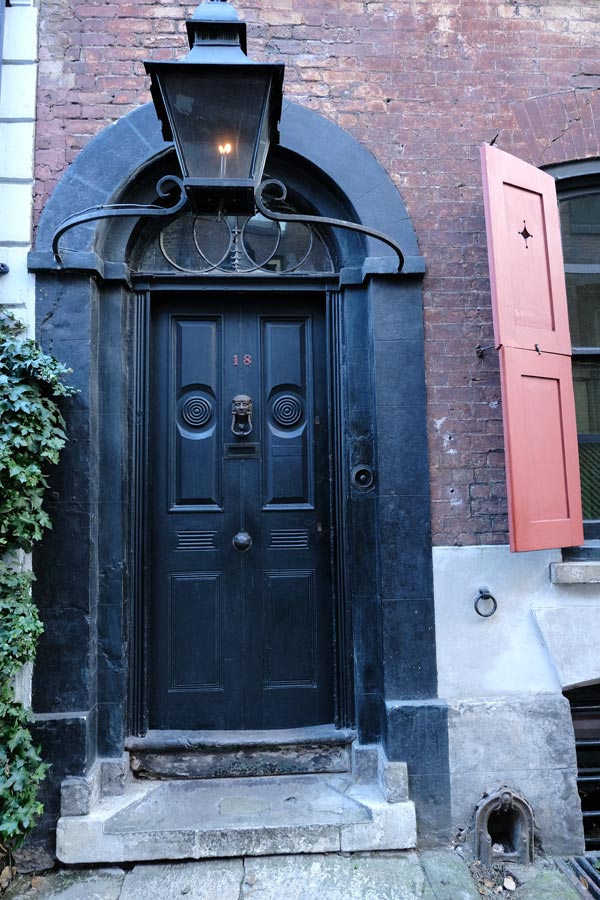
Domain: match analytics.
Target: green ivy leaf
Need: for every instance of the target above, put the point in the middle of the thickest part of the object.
(32, 435)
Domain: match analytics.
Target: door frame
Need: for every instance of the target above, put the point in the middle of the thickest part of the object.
(141, 323)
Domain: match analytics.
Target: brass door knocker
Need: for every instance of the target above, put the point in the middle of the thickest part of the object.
(241, 415)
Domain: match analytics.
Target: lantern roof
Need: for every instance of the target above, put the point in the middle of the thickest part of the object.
(216, 23)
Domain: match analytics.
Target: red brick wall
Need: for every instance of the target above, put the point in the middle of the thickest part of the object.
(422, 83)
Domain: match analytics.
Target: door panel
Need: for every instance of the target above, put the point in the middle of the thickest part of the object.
(196, 658)
(287, 391)
(195, 459)
(239, 639)
(290, 636)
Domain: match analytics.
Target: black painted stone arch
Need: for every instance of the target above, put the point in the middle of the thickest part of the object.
(86, 314)
(105, 169)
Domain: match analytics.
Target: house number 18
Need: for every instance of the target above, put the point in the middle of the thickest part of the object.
(246, 359)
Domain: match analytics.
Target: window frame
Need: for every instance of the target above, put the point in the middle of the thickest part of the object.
(573, 180)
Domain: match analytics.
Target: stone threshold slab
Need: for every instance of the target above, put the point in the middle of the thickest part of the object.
(210, 754)
(327, 735)
(236, 817)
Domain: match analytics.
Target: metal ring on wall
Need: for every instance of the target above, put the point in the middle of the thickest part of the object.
(484, 594)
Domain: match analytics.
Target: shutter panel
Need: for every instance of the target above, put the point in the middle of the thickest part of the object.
(531, 329)
(529, 299)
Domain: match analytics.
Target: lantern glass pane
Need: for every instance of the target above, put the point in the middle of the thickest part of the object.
(218, 120)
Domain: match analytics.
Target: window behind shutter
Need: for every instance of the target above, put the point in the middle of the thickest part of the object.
(531, 329)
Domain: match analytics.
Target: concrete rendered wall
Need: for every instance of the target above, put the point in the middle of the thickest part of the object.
(502, 678)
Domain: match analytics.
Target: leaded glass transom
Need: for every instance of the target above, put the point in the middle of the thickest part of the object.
(204, 245)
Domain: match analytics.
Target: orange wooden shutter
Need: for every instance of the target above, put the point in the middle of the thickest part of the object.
(531, 329)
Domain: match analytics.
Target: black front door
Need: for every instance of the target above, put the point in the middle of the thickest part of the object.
(240, 618)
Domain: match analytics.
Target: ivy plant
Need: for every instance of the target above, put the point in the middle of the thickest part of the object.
(31, 437)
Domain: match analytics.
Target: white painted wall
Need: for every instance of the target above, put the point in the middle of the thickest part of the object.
(17, 132)
(503, 678)
(538, 641)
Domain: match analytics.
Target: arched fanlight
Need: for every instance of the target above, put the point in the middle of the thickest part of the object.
(222, 111)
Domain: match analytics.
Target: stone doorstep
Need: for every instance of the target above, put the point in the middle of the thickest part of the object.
(201, 819)
(210, 754)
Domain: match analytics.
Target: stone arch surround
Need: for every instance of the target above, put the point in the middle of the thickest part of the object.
(103, 171)
(83, 319)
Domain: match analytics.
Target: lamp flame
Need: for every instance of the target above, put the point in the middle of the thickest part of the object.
(224, 151)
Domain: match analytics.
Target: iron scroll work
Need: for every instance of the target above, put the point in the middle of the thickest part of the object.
(237, 244)
(279, 187)
(122, 210)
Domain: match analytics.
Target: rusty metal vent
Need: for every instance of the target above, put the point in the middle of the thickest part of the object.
(582, 872)
(585, 710)
(504, 828)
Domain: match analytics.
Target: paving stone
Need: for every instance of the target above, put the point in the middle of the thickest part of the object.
(98, 884)
(335, 877)
(548, 886)
(448, 876)
(211, 879)
(403, 875)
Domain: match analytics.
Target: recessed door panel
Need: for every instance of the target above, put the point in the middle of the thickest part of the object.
(194, 416)
(288, 469)
(290, 629)
(240, 615)
(195, 631)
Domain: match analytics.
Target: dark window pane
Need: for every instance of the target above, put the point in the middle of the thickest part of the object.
(586, 382)
(580, 226)
(589, 464)
(583, 295)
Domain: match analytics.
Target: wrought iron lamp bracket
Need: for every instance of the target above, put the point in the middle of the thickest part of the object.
(119, 210)
(279, 193)
(276, 189)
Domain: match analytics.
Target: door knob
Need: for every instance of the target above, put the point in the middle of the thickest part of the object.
(242, 542)
(241, 415)
(363, 477)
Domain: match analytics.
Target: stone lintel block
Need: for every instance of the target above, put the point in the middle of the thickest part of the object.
(575, 572)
